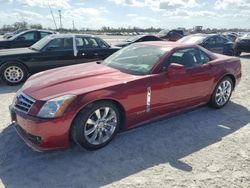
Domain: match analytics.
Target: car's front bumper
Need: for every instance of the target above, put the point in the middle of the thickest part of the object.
(41, 134)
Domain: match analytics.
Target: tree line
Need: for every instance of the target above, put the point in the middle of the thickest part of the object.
(106, 29)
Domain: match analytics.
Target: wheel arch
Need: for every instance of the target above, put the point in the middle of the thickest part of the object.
(232, 78)
(117, 103)
(14, 61)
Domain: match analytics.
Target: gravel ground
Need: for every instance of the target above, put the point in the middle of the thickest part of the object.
(202, 148)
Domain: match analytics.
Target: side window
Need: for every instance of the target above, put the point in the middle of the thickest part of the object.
(102, 44)
(27, 36)
(92, 43)
(204, 58)
(86, 42)
(222, 40)
(80, 42)
(211, 41)
(189, 57)
(171, 33)
(60, 44)
(43, 34)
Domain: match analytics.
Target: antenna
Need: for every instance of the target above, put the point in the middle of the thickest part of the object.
(52, 16)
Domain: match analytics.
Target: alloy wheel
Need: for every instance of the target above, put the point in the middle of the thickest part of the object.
(100, 125)
(223, 92)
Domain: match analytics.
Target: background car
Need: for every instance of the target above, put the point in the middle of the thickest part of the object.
(231, 36)
(242, 44)
(50, 52)
(172, 35)
(214, 42)
(138, 38)
(91, 102)
(24, 39)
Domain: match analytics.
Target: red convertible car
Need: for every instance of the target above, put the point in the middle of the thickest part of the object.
(89, 103)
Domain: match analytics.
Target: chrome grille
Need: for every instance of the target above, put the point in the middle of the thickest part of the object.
(23, 102)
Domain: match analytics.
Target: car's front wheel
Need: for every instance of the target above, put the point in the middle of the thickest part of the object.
(96, 125)
(222, 93)
(13, 73)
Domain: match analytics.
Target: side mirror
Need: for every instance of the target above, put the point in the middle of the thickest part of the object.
(175, 68)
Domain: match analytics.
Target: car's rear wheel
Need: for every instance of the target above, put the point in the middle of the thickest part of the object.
(13, 73)
(96, 125)
(222, 93)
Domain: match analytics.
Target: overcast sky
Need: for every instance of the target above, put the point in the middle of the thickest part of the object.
(123, 13)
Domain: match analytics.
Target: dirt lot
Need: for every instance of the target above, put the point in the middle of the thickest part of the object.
(202, 148)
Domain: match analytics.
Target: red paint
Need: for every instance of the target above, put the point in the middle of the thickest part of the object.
(171, 92)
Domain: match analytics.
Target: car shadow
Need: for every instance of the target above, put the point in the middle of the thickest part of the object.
(163, 142)
(8, 89)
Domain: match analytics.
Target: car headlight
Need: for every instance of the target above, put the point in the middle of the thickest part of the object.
(56, 107)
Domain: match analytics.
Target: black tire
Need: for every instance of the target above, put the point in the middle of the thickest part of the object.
(213, 102)
(20, 69)
(237, 53)
(80, 122)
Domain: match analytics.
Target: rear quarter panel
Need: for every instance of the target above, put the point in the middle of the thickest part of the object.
(225, 65)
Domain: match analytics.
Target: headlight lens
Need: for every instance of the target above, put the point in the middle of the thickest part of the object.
(56, 107)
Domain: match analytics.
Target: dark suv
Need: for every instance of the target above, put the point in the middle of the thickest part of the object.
(242, 44)
(172, 35)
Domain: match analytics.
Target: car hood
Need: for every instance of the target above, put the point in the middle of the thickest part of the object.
(75, 79)
(16, 51)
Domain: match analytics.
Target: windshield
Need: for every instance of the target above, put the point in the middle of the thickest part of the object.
(137, 59)
(132, 39)
(163, 32)
(192, 39)
(41, 43)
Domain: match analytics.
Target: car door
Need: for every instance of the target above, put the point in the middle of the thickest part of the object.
(25, 40)
(57, 53)
(182, 89)
(89, 50)
(214, 44)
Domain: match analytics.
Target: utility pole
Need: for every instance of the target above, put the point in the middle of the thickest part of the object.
(73, 22)
(60, 16)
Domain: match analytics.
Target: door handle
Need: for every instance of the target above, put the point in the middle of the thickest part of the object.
(95, 54)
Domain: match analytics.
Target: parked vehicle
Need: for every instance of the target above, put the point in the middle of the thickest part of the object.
(172, 35)
(11, 34)
(231, 36)
(91, 102)
(242, 44)
(24, 39)
(137, 38)
(213, 42)
(50, 52)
